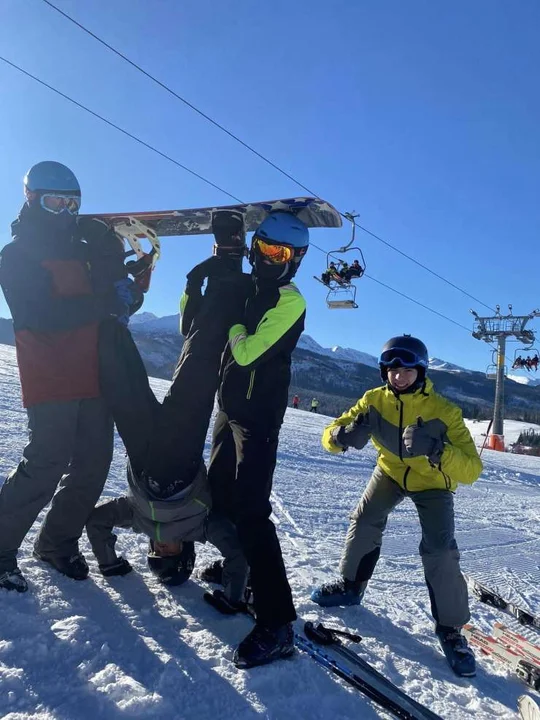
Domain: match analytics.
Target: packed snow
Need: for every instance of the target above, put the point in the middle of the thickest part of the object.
(130, 648)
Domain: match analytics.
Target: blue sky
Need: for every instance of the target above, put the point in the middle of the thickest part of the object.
(422, 116)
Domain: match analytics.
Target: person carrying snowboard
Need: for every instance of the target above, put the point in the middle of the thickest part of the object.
(424, 451)
(253, 397)
(58, 292)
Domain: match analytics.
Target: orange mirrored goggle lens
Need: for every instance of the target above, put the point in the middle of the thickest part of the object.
(278, 254)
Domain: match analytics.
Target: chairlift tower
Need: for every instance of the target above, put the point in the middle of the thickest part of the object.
(498, 329)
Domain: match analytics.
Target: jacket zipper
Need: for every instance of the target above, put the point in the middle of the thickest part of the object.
(407, 471)
(251, 383)
(401, 430)
(252, 374)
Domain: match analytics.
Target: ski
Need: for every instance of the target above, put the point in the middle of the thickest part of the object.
(518, 642)
(528, 709)
(526, 670)
(493, 598)
(363, 677)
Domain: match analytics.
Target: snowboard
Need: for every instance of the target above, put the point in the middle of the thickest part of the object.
(528, 709)
(198, 221)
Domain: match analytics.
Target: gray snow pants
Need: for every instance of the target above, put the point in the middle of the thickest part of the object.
(438, 548)
(71, 444)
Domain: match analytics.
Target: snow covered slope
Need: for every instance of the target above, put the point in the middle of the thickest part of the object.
(128, 648)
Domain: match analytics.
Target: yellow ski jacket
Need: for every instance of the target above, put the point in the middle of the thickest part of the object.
(389, 414)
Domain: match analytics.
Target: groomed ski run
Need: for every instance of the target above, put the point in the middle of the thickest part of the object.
(128, 648)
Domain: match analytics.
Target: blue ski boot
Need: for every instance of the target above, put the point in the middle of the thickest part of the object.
(264, 645)
(457, 651)
(338, 592)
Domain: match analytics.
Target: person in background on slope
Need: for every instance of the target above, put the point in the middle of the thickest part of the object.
(253, 396)
(295, 402)
(314, 405)
(168, 491)
(57, 296)
(424, 451)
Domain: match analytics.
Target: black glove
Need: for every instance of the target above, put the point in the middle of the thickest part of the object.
(355, 435)
(419, 440)
(211, 267)
(120, 567)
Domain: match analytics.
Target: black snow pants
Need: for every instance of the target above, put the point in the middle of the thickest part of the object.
(165, 442)
(240, 472)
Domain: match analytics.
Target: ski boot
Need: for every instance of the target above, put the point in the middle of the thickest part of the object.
(264, 645)
(220, 602)
(339, 592)
(230, 235)
(13, 580)
(457, 651)
(120, 567)
(74, 567)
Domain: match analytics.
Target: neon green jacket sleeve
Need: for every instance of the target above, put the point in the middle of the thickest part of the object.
(460, 459)
(189, 306)
(361, 407)
(272, 333)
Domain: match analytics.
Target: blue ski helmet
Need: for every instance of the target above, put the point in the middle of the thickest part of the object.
(279, 228)
(51, 176)
(284, 228)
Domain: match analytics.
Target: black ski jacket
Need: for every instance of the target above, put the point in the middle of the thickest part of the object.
(256, 366)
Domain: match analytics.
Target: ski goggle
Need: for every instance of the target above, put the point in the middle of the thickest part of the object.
(277, 254)
(56, 204)
(401, 357)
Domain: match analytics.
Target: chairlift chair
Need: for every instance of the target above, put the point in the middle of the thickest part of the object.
(530, 351)
(491, 372)
(342, 293)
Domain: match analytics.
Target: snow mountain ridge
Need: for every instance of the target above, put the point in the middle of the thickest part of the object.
(149, 323)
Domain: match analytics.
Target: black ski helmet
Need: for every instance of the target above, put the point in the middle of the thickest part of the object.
(172, 569)
(404, 351)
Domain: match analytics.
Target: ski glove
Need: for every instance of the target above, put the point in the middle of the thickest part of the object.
(420, 440)
(120, 567)
(125, 292)
(211, 267)
(355, 435)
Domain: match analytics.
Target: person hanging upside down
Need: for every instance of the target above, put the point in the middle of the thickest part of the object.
(169, 497)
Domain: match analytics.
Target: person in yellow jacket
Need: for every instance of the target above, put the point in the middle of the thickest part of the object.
(424, 451)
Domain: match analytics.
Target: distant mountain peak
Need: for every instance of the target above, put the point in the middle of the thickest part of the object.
(142, 317)
(438, 364)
